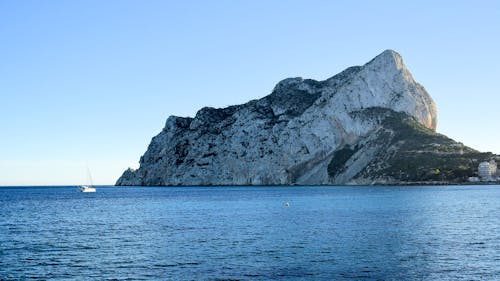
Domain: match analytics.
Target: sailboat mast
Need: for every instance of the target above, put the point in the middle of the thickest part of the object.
(89, 177)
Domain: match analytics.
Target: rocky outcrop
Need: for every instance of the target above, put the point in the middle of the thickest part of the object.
(305, 132)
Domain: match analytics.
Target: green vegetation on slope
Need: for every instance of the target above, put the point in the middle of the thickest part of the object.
(413, 153)
(340, 157)
(424, 155)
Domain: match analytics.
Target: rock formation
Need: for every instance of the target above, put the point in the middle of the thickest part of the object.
(353, 128)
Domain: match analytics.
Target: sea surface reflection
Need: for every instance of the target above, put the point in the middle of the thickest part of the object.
(247, 233)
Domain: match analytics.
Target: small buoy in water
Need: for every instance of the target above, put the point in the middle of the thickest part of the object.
(287, 204)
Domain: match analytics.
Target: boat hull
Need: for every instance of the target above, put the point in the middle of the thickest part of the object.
(86, 189)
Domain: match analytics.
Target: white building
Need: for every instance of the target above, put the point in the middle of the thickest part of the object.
(474, 179)
(493, 167)
(487, 170)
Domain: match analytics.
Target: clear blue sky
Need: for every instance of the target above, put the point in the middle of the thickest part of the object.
(89, 83)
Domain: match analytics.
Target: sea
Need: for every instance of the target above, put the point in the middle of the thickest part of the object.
(250, 233)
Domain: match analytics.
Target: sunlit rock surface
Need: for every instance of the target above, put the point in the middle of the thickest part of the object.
(293, 135)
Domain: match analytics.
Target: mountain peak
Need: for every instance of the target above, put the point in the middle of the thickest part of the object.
(293, 134)
(388, 59)
(390, 52)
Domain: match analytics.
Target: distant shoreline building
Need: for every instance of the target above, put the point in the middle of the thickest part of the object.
(487, 170)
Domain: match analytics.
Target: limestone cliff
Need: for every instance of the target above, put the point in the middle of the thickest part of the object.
(305, 132)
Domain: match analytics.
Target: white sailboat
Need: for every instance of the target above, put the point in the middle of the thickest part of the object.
(87, 188)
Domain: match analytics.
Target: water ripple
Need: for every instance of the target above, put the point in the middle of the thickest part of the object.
(327, 233)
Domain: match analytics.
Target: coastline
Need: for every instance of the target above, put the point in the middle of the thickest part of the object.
(329, 185)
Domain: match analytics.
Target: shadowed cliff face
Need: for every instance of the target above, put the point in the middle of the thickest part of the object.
(291, 136)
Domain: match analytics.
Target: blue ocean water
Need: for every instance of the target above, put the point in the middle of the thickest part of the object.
(247, 233)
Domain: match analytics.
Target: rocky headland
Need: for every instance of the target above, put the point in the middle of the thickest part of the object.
(370, 124)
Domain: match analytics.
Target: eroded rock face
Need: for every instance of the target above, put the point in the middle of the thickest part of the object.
(287, 137)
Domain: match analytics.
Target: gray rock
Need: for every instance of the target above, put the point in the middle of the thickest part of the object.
(290, 136)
